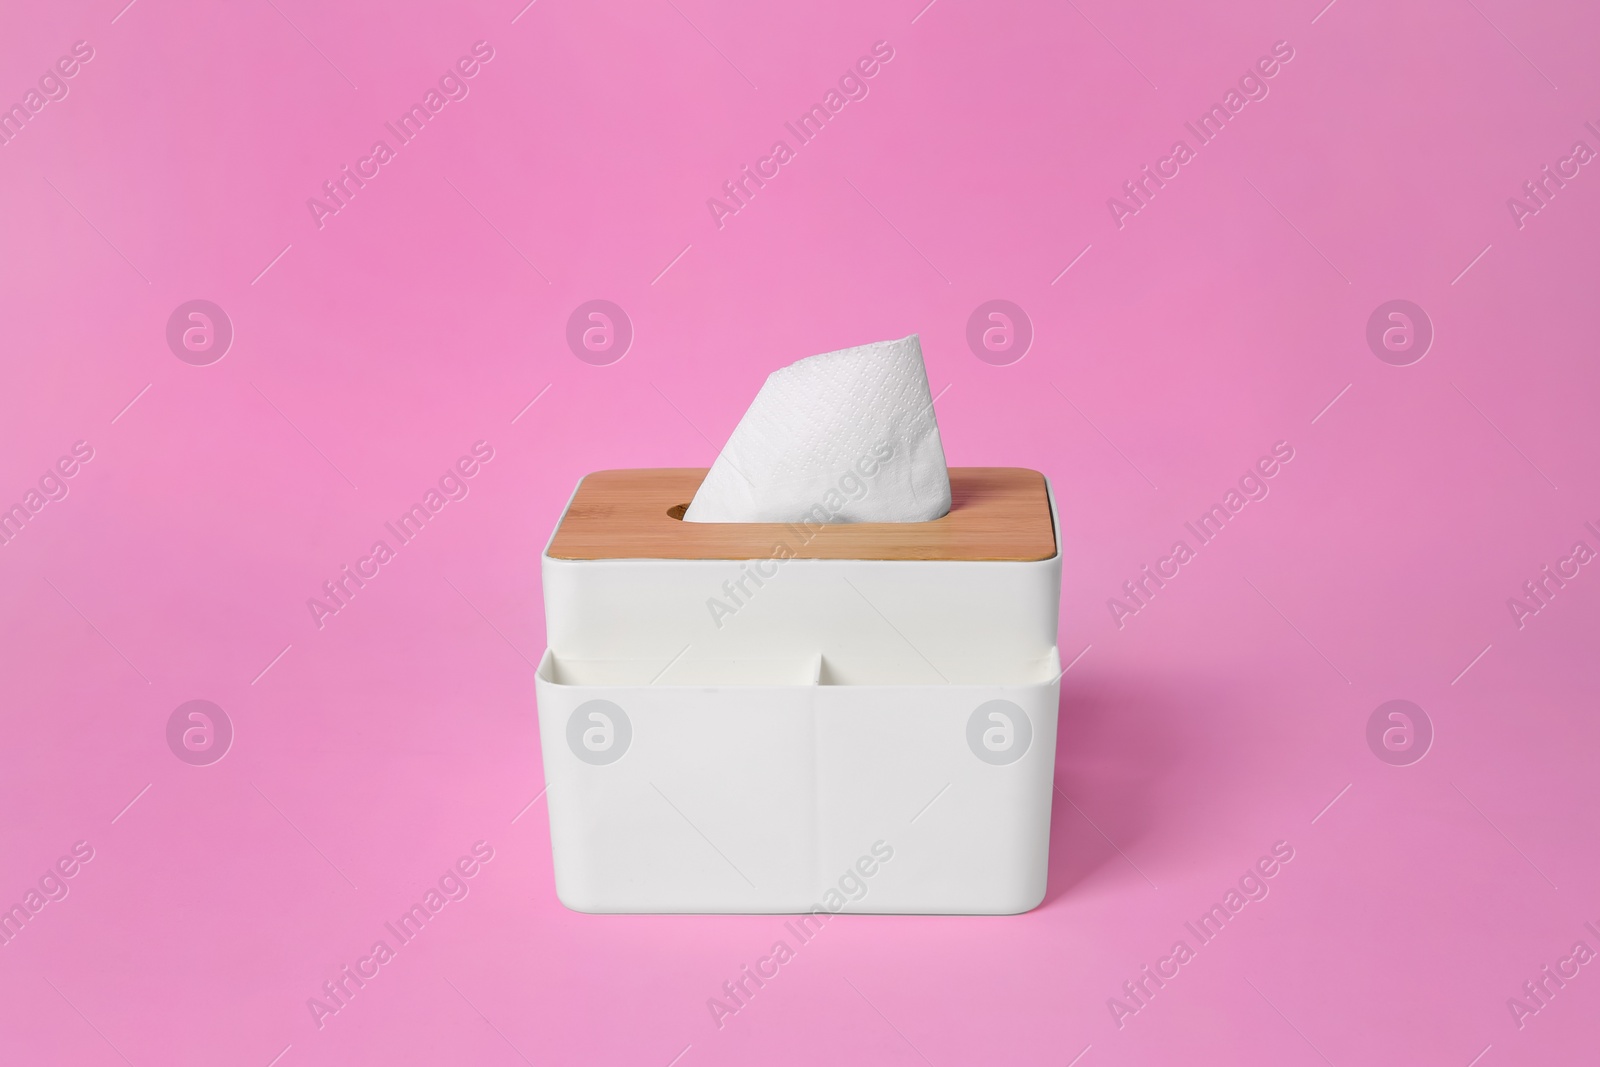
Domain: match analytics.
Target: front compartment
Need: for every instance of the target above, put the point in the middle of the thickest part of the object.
(785, 793)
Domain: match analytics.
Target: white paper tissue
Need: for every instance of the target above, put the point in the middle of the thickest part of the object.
(846, 436)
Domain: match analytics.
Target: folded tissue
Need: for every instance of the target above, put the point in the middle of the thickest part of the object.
(846, 436)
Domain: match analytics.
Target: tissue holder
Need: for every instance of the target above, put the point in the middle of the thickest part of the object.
(779, 718)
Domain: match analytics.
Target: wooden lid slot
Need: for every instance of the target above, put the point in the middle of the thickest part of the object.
(996, 514)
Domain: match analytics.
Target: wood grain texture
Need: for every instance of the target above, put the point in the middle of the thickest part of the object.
(996, 513)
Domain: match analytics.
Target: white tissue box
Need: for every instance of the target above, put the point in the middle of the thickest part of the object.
(762, 717)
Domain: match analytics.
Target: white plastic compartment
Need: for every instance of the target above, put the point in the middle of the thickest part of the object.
(769, 766)
(759, 798)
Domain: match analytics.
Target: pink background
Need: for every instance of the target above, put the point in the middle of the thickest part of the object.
(424, 316)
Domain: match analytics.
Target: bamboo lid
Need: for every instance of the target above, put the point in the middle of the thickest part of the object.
(996, 513)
